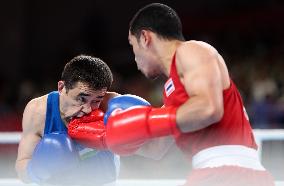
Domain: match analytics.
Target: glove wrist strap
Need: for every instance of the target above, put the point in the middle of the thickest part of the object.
(162, 121)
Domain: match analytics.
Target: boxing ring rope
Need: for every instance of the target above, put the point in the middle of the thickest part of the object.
(164, 182)
(261, 135)
(10, 137)
(136, 182)
(267, 135)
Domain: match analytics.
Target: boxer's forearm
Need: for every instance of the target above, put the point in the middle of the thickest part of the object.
(156, 148)
(198, 113)
(21, 169)
(138, 124)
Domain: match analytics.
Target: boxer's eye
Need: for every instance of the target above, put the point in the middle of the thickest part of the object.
(81, 99)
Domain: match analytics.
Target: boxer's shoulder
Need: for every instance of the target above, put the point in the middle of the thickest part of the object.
(35, 114)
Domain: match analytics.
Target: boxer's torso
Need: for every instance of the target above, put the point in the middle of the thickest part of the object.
(233, 129)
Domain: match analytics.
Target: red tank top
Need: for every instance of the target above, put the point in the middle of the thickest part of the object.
(233, 129)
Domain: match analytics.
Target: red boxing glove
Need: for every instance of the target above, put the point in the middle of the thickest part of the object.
(95, 115)
(139, 123)
(89, 130)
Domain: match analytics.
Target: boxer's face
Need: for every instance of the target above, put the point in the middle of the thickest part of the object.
(79, 100)
(144, 58)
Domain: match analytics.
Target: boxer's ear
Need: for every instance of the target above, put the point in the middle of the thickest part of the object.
(145, 38)
(60, 86)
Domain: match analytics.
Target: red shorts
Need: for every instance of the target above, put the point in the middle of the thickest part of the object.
(229, 176)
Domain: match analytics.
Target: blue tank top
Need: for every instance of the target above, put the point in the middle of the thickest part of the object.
(53, 121)
(96, 167)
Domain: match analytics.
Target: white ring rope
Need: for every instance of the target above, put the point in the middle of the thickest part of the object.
(10, 137)
(260, 136)
(123, 182)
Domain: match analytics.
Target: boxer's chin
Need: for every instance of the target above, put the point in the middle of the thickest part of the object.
(152, 75)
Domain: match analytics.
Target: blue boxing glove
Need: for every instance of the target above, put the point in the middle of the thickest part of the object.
(96, 168)
(123, 102)
(53, 155)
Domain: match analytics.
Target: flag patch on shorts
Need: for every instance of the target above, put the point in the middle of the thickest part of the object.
(169, 87)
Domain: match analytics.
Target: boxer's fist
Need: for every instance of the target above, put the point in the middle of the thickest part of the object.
(55, 153)
(123, 102)
(89, 130)
(95, 115)
(128, 129)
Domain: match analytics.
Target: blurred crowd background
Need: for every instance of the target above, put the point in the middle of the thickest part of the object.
(37, 38)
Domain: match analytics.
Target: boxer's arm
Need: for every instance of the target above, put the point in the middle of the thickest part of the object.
(107, 97)
(199, 68)
(202, 80)
(29, 139)
(155, 148)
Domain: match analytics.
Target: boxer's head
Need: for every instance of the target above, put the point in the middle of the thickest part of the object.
(151, 23)
(83, 84)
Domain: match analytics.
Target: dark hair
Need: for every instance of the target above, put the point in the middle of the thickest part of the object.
(87, 69)
(160, 19)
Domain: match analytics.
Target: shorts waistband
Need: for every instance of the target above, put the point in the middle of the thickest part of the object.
(227, 155)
